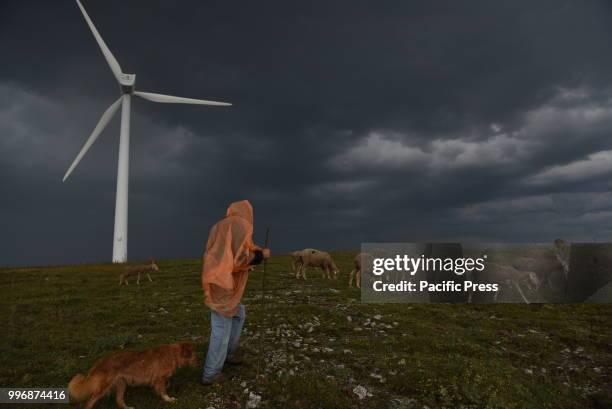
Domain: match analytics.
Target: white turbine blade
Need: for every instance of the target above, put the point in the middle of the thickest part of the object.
(104, 120)
(169, 99)
(112, 62)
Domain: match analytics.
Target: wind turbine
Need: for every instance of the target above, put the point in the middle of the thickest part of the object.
(126, 84)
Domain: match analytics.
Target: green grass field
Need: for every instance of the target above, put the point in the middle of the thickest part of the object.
(319, 343)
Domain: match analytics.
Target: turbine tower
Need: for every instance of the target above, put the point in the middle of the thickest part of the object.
(126, 84)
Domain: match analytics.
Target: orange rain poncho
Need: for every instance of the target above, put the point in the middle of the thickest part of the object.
(225, 267)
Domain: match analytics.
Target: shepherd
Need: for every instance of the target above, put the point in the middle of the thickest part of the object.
(229, 256)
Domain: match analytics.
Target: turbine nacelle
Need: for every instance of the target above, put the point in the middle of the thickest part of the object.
(126, 82)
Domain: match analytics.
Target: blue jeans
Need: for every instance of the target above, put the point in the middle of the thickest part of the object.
(224, 339)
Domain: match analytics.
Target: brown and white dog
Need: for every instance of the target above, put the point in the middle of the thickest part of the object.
(149, 367)
(138, 270)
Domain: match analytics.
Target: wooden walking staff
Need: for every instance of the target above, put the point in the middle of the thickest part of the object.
(263, 301)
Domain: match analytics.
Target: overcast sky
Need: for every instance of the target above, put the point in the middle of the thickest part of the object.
(352, 121)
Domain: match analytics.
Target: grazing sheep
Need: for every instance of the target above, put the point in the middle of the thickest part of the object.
(526, 271)
(356, 272)
(318, 259)
(547, 266)
(138, 270)
(295, 260)
(543, 267)
(508, 277)
(562, 252)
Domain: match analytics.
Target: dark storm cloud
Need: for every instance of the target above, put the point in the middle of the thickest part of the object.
(353, 121)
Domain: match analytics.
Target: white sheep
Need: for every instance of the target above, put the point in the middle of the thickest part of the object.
(314, 258)
(562, 253)
(296, 260)
(356, 272)
(508, 277)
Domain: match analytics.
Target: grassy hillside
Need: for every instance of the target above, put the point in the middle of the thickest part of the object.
(319, 343)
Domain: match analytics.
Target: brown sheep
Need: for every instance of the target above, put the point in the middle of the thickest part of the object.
(138, 270)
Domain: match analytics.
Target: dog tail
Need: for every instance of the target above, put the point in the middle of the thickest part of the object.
(79, 387)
